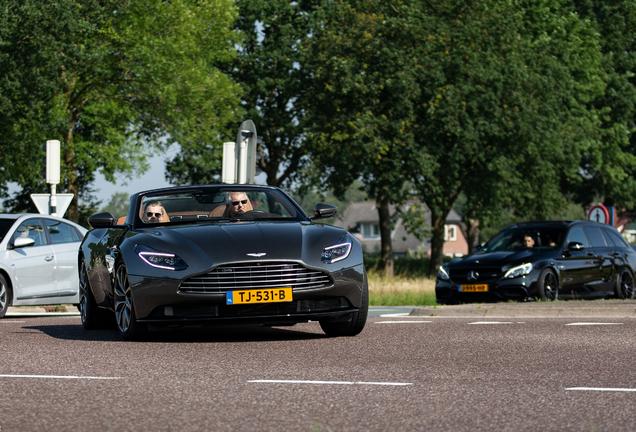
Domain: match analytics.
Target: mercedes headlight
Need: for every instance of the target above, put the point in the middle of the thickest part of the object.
(162, 260)
(442, 272)
(337, 252)
(521, 270)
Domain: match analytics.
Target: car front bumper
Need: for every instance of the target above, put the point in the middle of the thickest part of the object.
(159, 301)
(519, 289)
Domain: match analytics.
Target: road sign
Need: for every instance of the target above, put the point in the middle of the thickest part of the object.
(599, 213)
(43, 203)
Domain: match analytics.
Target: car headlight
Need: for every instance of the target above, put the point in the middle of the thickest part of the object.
(162, 260)
(442, 272)
(521, 270)
(338, 251)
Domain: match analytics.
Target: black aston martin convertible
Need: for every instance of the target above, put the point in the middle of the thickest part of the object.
(220, 254)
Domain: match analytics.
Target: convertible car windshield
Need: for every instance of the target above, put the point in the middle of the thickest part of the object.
(217, 204)
(529, 237)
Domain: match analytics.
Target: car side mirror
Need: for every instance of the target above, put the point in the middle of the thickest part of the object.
(575, 246)
(101, 220)
(324, 211)
(478, 247)
(21, 242)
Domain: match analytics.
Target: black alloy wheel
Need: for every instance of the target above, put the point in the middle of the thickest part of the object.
(625, 284)
(127, 324)
(5, 296)
(548, 285)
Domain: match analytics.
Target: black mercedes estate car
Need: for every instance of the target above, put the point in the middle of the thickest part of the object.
(545, 260)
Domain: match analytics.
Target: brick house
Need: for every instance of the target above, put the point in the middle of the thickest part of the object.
(362, 220)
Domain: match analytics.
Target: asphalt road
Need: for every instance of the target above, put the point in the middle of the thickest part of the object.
(400, 374)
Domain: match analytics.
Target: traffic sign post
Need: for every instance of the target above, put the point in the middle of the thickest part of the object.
(44, 204)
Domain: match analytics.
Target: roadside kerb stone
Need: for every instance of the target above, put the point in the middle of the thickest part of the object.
(26, 311)
(569, 309)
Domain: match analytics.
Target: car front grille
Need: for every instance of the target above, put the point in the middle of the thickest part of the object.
(484, 275)
(256, 276)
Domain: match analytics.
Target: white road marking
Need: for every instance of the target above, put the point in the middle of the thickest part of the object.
(60, 377)
(490, 322)
(604, 389)
(401, 322)
(330, 382)
(592, 323)
(405, 315)
(10, 321)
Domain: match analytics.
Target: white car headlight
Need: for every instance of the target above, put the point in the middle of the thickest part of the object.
(442, 272)
(338, 251)
(521, 270)
(162, 260)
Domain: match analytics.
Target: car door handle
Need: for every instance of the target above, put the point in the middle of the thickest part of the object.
(590, 254)
(49, 258)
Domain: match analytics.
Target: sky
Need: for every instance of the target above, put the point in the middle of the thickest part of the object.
(154, 177)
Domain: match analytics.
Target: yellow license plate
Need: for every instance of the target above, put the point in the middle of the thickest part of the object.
(270, 295)
(473, 288)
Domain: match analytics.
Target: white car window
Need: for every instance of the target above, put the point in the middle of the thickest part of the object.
(59, 232)
(31, 228)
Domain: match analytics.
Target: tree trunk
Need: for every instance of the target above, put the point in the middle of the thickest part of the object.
(386, 249)
(71, 176)
(438, 222)
(472, 230)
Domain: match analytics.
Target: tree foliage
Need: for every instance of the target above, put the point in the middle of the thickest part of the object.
(609, 170)
(268, 69)
(488, 98)
(120, 79)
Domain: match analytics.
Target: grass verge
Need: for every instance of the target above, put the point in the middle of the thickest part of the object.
(401, 291)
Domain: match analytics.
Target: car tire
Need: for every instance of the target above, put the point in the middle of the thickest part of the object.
(625, 284)
(91, 315)
(5, 296)
(357, 322)
(125, 317)
(548, 285)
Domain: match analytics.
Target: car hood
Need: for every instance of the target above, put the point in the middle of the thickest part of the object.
(206, 245)
(494, 259)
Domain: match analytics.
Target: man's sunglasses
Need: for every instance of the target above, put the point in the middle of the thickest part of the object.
(235, 203)
(157, 215)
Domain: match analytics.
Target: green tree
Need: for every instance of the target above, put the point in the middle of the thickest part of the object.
(484, 98)
(360, 105)
(120, 80)
(506, 86)
(609, 171)
(267, 67)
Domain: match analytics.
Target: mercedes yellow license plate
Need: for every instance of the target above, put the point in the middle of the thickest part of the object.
(270, 295)
(473, 288)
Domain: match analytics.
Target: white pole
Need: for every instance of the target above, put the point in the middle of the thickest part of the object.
(53, 201)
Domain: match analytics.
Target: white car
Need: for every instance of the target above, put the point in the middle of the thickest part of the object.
(38, 260)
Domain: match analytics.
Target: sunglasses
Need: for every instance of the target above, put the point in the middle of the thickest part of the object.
(157, 215)
(235, 203)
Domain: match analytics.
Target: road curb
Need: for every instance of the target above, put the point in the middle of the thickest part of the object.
(37, 311)
(569, 309)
